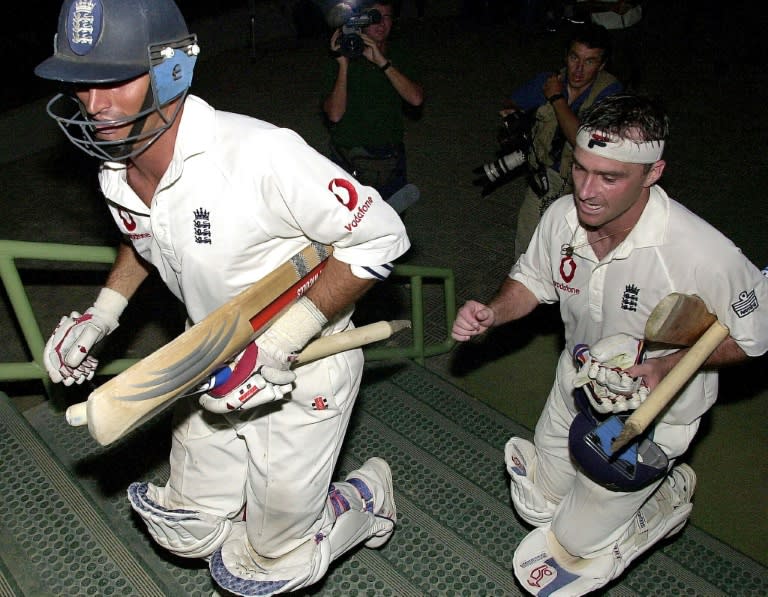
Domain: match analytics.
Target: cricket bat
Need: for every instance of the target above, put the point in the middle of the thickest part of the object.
(682, 320)
(77, 414)
(150, 386)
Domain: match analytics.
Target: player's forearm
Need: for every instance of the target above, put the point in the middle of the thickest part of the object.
(337, 288)
(653, 370)
(513, 301)
(727, 353)
(128, 271)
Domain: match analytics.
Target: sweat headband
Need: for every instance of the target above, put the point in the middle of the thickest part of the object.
(615, 148)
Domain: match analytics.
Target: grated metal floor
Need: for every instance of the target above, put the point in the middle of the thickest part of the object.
(67, 528)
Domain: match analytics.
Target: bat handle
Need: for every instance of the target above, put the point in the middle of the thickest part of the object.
(77, 414)
(354, 338)
(668, 388)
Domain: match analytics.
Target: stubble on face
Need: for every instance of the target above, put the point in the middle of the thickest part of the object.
(608, 194)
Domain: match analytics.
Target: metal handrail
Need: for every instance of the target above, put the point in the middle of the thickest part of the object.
(11, 251)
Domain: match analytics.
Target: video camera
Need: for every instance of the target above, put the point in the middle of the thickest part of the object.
(515, 138)
(351, 44)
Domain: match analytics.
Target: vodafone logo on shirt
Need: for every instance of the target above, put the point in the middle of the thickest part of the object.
(345, 192)
(127, 219)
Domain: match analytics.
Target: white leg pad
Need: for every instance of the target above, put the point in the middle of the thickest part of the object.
(545, 568)
(364, 510)
(529, 501)
(186, 533)
(237, 568)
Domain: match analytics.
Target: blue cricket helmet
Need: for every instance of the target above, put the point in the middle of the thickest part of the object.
(103, 41)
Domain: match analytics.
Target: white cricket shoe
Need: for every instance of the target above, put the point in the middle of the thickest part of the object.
(677, 491)
(378, 494)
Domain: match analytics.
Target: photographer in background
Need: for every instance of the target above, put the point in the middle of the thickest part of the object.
(558, 99)
(365, 101)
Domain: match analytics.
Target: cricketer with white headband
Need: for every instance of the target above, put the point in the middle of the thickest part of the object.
(608, 254)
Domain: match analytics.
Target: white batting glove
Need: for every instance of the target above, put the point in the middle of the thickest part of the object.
(248, 383)
(261, 373)
(601, 373)
(66, 355)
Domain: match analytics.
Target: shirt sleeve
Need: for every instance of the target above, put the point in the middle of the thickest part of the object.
(534, 268)
(739, 298)
(311, 194)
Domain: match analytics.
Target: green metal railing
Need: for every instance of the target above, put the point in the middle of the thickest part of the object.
(11, 251)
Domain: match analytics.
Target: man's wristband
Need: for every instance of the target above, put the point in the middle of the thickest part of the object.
(554, 97)
(385, 66)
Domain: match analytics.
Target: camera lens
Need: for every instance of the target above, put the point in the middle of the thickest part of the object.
(352, 45)
(505, 164)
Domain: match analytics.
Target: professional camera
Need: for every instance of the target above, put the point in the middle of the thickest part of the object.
(515, 138)
(351, 44)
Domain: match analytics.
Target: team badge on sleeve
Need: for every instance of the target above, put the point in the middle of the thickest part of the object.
(746, 303)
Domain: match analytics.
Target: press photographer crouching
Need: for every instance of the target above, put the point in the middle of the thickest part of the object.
(369, 84)
(552, 103)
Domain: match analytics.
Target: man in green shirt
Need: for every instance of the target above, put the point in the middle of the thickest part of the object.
(365, 104)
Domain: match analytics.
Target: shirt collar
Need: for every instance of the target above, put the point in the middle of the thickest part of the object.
(648, 232)
(196, 134)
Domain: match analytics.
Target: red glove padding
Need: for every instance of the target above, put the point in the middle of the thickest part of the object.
(255, 380)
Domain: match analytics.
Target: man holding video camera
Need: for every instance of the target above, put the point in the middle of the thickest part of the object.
(369, 85)
(558, 99)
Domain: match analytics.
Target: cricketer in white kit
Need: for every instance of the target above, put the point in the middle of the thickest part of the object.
(608, 254)
(215, 201)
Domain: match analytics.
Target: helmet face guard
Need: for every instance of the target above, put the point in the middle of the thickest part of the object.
(103, 42)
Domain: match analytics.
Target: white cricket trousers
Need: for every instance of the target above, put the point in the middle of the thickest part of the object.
(276, 460)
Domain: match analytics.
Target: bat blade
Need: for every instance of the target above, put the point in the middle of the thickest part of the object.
(678, 319)
(151, 385)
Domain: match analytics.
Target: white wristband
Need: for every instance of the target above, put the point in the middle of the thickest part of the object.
(111, 302)
(292, 330)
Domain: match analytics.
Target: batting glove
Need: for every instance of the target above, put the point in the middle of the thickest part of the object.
(261, 373)
(66, 355)
(601, 373)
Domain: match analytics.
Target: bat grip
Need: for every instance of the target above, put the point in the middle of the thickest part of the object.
(668, 387)
(354, 338)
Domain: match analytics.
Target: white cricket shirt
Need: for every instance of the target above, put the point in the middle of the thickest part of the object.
(241, 197)
(670, 249)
